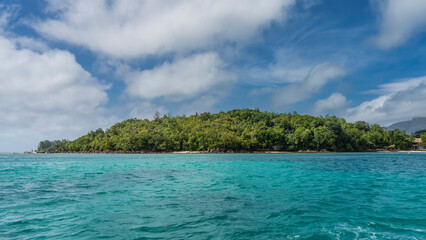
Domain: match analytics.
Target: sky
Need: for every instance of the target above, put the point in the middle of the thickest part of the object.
(71, 66)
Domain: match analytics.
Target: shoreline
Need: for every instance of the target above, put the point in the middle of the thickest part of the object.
(225, 152)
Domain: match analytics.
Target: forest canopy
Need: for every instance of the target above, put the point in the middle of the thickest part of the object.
(235, 131)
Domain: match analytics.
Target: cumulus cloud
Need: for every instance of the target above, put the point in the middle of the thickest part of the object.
(181, 79)
(45, 95)
(334, 102)
(399, 101)
(127, 28)
(317, 78)
(399, 21)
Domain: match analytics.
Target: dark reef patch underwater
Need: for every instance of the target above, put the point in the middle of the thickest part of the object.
(213, 196)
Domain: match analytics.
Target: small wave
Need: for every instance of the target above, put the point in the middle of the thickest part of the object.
(346, 231)
(287, 212)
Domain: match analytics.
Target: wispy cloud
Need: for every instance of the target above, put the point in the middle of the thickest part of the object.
(317, 78)
(399, 21)
(287, 67)
(399, 101)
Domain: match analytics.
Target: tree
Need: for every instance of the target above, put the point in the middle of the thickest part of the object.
(240, 130)
(324, 138)
(44, 145)
(423, 137)
(418, 134)
(51, 146)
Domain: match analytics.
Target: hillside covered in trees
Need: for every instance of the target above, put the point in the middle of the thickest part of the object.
(235, 131)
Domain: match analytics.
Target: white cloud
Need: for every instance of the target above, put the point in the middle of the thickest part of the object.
(9, 12)
(182, 79)
(288, 67)
(45, 95)
(317, 78)
(400, 101)
(29, 43)
(334, 102)
(3, 19)
(146, 110)
(399, 21)
(6, 13)
(127, 28)
(402, 85)
(201, 104)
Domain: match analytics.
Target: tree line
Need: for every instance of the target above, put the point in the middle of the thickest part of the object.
(235, 131)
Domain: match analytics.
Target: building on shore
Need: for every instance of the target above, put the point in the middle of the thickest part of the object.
(418, 144)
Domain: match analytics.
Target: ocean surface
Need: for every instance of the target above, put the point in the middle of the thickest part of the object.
(213, 196)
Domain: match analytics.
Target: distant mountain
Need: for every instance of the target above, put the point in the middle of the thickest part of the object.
(411, 126)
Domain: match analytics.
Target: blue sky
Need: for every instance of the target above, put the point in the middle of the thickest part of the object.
(68, 67)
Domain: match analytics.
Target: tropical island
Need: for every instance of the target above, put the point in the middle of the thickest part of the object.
(240, 130)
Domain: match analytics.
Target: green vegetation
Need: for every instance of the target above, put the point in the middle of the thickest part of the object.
(423, 137)
(419, 133)
(49, 146)
(236, 130)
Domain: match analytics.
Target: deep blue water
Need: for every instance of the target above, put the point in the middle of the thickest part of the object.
(213, 196)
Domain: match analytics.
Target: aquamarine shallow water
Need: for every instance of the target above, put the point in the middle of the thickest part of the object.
(224, 196)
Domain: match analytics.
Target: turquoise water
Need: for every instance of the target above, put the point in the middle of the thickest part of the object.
(225, 196)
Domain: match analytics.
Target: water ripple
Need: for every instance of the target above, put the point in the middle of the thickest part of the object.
(235, 196)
